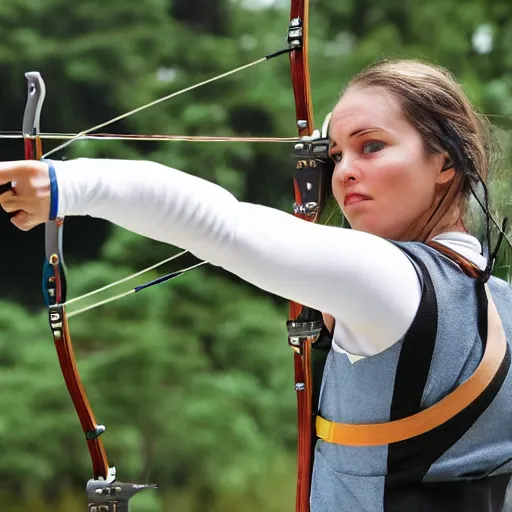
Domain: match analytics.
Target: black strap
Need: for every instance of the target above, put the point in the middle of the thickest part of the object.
(410, 460)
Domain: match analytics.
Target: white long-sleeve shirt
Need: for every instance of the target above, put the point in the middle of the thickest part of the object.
(366, 283)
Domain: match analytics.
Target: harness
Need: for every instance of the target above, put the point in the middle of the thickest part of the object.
(453, 404)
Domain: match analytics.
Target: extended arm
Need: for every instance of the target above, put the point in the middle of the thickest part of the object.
(365, 282)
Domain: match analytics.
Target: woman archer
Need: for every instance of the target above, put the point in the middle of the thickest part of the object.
(406, 293)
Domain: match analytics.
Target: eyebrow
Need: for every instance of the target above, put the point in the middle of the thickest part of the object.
(357, 132)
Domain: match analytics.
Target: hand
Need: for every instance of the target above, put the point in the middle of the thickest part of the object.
(30, 196)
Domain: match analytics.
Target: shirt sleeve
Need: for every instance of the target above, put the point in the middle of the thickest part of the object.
(366, 283)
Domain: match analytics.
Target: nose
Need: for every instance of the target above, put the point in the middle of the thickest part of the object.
(346, 172)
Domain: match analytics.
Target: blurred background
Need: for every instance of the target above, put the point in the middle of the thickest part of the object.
(193, 378)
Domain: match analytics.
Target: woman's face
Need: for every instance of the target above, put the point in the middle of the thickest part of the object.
(383, 180)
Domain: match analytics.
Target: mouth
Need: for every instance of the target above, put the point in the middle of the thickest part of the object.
(354, 199)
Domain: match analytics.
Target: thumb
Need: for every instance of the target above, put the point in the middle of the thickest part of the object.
(25, 221)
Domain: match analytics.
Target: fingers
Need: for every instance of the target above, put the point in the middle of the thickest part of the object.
(12, 202)
(9, 171)
(10, 207)
(29, 200)
(24, 221)
(8, 202)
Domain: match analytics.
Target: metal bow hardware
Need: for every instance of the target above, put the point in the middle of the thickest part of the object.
(104, 493)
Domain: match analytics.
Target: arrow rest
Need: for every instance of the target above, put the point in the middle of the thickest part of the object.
(313, 170)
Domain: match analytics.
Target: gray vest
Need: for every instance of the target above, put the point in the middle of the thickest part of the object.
(455, 467)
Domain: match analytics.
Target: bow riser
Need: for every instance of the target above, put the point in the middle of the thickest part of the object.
(312, 179)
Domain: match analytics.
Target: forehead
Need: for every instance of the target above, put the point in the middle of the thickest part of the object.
(361, 108)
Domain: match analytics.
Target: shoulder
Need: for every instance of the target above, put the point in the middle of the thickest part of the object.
(446, 257)
(430, 262)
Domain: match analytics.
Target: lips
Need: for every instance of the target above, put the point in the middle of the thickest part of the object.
(354, 198)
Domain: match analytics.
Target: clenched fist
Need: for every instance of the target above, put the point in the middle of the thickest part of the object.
(30, 195)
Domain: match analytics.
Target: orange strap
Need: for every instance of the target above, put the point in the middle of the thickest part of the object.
(431, 418)
(468, 267)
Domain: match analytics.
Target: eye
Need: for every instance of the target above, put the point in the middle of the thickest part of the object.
(336, 157)
(372, 146)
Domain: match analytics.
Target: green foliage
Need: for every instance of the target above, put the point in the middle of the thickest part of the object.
(193, 378)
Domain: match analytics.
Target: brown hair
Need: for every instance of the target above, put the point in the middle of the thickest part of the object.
(437, 106)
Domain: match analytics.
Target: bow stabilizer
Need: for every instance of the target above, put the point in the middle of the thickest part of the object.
(104, 493)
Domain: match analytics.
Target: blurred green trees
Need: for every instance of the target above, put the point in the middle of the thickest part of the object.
(192, 378)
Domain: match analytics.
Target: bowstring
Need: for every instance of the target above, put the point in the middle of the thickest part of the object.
(86, 133)
(164, 98)
(123, 280)
(136, 289)
(163, 137)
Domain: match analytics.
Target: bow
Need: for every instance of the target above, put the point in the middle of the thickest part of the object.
(104, 493)
(311, 182)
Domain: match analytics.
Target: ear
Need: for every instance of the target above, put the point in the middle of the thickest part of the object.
(448, 164)
(447, 171)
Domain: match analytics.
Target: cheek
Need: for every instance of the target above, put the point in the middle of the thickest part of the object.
(398, 171)
(383, 180)
(401, 192)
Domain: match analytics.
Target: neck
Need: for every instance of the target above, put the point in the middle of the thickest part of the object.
(457, 226)
(444, 215)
